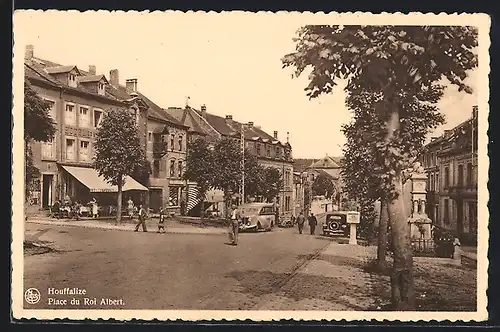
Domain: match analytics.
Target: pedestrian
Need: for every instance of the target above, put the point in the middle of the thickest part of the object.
(301, 219)
(130, 208)
(95, 210)
(234, 225)
(56, 209)
(161, 221)
(76, 210)
(142, 219)
(312, 223)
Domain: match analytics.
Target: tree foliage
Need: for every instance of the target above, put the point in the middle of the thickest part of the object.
(323, 186)
(199, 165)
(118, 150)
(272, 183)
(396, 71)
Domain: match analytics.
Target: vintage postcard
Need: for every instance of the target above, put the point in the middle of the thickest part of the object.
(238, 165)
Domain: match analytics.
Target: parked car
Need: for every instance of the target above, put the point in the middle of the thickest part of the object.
(256, 216)
(337, 223)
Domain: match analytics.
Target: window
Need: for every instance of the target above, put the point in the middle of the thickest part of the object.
(180, 143)
(70, 149)
(84, 119)
(268, 151)
(97, 118)
(267, 211)
(156, 169)
(136, 115)
(469, 174)
(278, 152)
(258, 149)
(48, 149)
(446, 177)
(150, 136)
(460, 175)
(69, 115)
(84, 150)
(172, 140)
(100, 88)
(431, 182)
(72, 80)
(172, 168)
(446, 212)
(180, 168)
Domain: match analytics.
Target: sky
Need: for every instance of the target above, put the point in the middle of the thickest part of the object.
(231, 63)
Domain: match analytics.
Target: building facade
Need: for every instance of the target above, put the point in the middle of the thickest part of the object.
(79, 101)
(450, 162)
(270, 151)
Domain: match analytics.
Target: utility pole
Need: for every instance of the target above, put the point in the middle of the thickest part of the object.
(242, 143)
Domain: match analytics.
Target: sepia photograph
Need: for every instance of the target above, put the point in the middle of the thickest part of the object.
(262, 166)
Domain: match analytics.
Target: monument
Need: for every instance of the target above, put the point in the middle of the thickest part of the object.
(420, 223)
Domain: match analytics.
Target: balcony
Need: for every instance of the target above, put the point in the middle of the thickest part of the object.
(159, 149)
(461, 192)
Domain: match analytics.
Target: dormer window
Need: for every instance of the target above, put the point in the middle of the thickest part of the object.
(100, 88)
(72, 80)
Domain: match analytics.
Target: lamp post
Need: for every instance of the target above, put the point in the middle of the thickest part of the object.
(242, 142)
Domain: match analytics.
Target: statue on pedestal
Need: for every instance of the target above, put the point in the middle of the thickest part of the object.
(420, 223)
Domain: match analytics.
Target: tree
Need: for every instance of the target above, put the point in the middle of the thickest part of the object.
(38, 126)
(200, 167)
(118, 150)
(272, 183)
(397, 63)
(323, 186)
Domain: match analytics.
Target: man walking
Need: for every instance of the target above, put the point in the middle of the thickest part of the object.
(301, 219)
(312, 223)
(142, 219)
(234, 225)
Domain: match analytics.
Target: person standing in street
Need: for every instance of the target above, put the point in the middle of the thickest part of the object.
(234, 225)
(161, 222)
(312, 223)
(301, 219)
(142, 219)
(130, 208)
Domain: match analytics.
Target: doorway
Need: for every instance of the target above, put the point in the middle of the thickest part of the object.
(155, 199)
(47, 190)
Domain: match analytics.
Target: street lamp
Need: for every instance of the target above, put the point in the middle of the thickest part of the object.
(242, 187)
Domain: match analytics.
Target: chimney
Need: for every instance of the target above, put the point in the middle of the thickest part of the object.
(114, 79)
(203, 110)
(131, 86)
(275, 135)
(447, 132)
(250, 124)
(29, 52)
(229, 118)
(92, 69)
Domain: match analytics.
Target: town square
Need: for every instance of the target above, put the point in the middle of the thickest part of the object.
(308, 168)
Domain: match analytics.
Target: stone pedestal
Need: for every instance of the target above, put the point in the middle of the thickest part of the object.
(420, 223)
(352, 234)
(353, 219)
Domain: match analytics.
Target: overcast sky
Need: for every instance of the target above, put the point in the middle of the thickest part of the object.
(233, 65)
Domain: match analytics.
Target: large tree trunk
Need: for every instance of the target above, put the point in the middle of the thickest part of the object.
(382, 235)
(119, 201)
(403, 296)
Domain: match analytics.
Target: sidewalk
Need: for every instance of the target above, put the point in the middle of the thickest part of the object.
(339, 279)
(171, 225)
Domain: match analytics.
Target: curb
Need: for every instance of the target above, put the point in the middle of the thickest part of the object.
(118, 228)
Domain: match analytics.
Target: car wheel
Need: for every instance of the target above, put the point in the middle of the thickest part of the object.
(259, 226)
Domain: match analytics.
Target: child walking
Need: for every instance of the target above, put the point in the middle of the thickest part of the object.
(161, 222)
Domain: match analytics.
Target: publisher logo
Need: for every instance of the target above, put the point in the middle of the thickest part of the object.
(32, 296)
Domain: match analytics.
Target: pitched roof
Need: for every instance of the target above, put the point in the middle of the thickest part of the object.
(40, 69)
(60, 69)
(301, 164)
(325, 162)
(91, 78)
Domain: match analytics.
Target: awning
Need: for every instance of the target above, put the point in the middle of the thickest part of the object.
(91, 179)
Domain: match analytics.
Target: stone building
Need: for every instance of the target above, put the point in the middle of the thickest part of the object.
(79, 99)
(269, 150)
(450, 162)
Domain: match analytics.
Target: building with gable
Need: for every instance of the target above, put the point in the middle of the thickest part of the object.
(79, 100)
(270, 151)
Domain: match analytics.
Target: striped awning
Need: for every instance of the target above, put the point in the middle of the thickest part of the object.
(91, 179)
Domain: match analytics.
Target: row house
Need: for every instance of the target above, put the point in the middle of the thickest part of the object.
(450, 162)
(79, 101)
(270, 151)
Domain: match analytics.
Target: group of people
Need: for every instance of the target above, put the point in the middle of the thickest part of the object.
(72, 209)
(301, 220)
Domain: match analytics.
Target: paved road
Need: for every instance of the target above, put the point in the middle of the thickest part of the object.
(165, 271)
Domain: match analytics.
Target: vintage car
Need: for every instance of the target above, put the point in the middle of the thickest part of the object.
(337, 223)
(256, 216)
